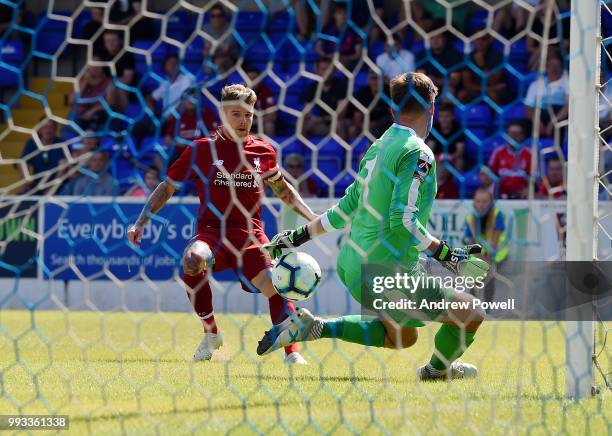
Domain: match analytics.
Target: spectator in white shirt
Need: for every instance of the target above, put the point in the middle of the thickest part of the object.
(553, 91)
(171, 90)
(395, 60)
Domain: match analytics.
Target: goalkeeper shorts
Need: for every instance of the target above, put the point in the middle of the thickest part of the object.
(362, 291)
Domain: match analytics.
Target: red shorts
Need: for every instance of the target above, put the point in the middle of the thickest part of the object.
(239, 250)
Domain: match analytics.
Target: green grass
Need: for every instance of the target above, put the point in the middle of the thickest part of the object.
(132, 373)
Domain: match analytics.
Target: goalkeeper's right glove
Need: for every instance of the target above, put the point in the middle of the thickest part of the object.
(287, 239)
(460, 261)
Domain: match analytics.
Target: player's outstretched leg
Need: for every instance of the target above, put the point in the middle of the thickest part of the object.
(304, 326)
(195, 261)
(280, 310)
(453, 338)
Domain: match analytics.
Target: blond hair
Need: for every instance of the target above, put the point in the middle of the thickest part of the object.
(237, 93)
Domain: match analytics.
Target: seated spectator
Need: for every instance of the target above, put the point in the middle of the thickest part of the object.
(349, 46)
(92, 27)
(122, 11)
(220, 44)
(486, 58)
(94, 86)
(487, 179)
(512, 19)
(317, 121)
(68, 172)
(511, 162)
(151, 180)
(143, 27)
(552, 184)
(125, 64)
(101, 183)
(447, 137)
(352, 125)
(536, 33)
(294, 164)
(486, 226)
(362, 16)
(149, 124)
(172, 89)
(40, 160)
(6, 17)
(428, 15)
(444, 55)
(447, 186)
(553, 89)
(88, 143)
(306, 17)
(265, 100)
(395, 60)
(195, 122)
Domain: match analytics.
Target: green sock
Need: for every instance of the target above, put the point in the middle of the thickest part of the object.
(356, 329)
(449, 346)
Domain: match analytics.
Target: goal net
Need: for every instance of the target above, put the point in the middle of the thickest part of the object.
(100, 98)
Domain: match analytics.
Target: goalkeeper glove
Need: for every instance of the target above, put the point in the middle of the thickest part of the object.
(460, 261)
(287, 239)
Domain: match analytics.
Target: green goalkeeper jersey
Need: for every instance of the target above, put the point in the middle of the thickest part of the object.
(388, 205)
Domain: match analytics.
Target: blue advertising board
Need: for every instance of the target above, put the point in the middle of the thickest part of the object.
(87, 240)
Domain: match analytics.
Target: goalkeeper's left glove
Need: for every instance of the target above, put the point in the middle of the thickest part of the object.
(460, 261)
(287, 239)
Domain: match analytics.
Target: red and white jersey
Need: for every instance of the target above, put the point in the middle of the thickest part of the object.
(512, 168)
(230, 180)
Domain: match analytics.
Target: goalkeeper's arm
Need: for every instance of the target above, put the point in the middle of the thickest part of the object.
(412, 170)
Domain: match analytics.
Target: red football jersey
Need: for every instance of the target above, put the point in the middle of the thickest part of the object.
(229, 178)
(512, 168)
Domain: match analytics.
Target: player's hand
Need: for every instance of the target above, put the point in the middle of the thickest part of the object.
(287, 239)
(134, 233)
(461, 261)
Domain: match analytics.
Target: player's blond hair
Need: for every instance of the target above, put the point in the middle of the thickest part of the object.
(237, 93)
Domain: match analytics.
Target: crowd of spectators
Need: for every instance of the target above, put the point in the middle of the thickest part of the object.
(492, 153)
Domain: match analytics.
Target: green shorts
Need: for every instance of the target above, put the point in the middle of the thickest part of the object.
(407, 307)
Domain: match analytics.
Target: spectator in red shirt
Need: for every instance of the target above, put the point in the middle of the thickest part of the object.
(511, 162)
(195, 122)
(447, 187)
(553, 183)
(265, 100)
(486, 58)
(349, 44)
(151, 180)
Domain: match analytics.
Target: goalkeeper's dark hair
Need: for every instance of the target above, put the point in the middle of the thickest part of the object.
(412, 93)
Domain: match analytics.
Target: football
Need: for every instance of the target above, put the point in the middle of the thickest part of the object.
(296, 276)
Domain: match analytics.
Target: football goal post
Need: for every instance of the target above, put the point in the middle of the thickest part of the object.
(584, 211)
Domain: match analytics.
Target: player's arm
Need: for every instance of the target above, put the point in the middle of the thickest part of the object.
(413, 168)
(154, 203)
(179, 171)
(290, 196)
(334, 219)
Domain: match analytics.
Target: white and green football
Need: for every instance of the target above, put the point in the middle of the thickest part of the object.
(296, 276)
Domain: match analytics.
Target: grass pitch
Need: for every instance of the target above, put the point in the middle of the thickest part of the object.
(132, 373)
